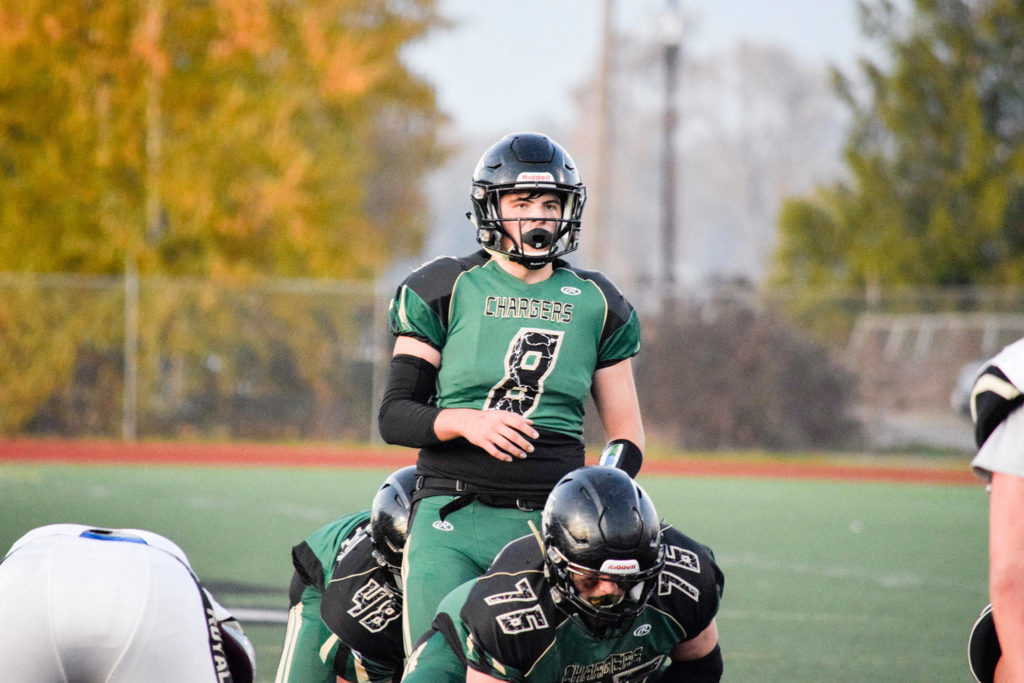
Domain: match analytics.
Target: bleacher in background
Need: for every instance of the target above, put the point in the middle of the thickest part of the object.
(915, 371)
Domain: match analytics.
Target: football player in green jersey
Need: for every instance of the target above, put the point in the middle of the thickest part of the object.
(345, 596)
(603, 593)
(494, 357)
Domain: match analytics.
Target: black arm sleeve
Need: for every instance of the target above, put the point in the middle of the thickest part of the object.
(707, 669)
(406, 416)
(625, 455)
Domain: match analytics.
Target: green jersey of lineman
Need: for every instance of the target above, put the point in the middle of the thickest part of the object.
(530, 349)
(334, 568)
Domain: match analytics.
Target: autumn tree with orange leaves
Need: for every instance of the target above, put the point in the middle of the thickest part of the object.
(224, 139)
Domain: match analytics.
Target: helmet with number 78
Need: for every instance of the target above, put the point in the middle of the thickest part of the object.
(534, 163)
(599, 526)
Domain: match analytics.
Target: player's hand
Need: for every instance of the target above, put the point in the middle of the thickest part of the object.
(502, 434)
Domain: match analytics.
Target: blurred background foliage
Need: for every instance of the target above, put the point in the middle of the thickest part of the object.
(203, 207)
(935, 187)
(225, 139)
(220, 143)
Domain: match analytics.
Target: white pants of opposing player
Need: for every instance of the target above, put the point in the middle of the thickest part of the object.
(79, 609)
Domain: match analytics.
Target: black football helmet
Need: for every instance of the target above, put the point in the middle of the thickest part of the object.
(528, 162)
(389, 522)
(599, 525)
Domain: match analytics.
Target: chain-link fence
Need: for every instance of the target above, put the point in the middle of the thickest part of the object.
(158, 357)
(161, 357)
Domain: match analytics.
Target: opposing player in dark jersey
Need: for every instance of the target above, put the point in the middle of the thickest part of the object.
(346, 594)
(604, 593)
(495, 355)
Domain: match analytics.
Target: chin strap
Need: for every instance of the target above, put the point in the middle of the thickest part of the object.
(529, 265)
(518, 259)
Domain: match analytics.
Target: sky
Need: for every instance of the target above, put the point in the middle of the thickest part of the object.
(510, 64)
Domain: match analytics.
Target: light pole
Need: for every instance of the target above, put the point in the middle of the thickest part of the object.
(597, 231)
(671, 38)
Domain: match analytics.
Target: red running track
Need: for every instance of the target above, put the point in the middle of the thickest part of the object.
(269, 455)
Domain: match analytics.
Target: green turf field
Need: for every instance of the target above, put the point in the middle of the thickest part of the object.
(824, 581)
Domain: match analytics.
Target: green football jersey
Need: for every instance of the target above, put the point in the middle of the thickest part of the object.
(531, 349)
(315, 556)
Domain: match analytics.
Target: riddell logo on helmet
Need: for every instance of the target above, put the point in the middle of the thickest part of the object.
(535, 177)
(620, 567)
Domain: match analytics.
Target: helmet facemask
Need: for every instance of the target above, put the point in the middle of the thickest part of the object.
(390, 560)
(562, 238)
(608, 615)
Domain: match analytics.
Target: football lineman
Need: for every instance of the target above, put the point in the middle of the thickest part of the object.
(81, 603)
(997, 641)
(604, 592)
(346, 594)
(494, 357)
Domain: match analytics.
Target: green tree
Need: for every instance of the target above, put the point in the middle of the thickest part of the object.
(226, 139)
(935, 192)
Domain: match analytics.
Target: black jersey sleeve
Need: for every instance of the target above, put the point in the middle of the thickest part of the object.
(509, 615)
(620, 335)
(421, 303)
(993, 397)
(358, 608)
(691, 585)
(313, 558)
(307, 566)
